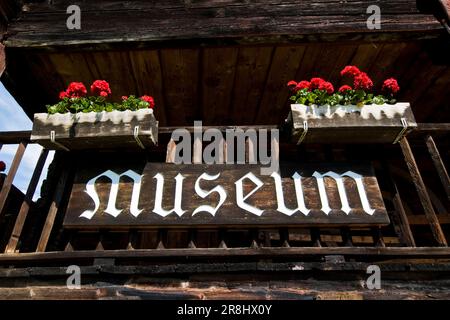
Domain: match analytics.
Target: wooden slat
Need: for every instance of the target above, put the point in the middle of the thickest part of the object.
(422, 193)
(403, 221)
(170, 153)
(146, 68)
(250, 78)
(50, 220)
(285, 62)
(231, 20)
(13, 137)
(394, 252)
(439, 164)
(180, 80)
(11, 174)
(218, 73)
(20, 220)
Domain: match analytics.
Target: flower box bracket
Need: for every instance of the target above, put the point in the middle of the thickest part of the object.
(96, 130)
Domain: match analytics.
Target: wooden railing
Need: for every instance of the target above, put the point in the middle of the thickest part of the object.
(50, 242)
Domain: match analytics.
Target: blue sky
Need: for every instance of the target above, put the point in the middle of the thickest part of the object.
(12, 118)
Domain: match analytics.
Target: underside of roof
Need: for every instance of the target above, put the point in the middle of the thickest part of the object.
(227, 62)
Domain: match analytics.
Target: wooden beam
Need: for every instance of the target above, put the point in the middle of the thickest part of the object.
(13, 137)
(49, 222)
(438, 164)
(422, 193)
(422, 220)
(11, 174)
(391, 252)
(43, 24)
(20, 220)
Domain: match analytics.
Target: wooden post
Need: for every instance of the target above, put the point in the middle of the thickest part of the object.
(11, 174)
(192, 234)
(284, 237)
(132, 239)
(171, 148)
(315, 237)
(346, 237)
(399, 214)
(197, 151)
(438, 164)
(423, 193)
(21, 217)
(48, 226)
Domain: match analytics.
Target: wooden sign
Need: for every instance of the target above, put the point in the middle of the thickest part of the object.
(148, 195)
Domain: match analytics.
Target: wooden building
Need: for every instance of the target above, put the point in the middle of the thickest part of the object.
(226, 63)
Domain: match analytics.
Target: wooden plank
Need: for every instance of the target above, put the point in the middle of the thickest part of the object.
(146, 68)
(218, 74)
(438, 164)
(233, 21)
(422, 219)
(422, 193)
(404, 222)
(11, 174)
(22, 216)
(144, 211)
(250, 78)
(13, 137)
(284, 65)
(51, 216)
(180, 81)
(391, 252)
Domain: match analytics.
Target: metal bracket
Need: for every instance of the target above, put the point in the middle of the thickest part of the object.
(305, 131)
(402, 132)
(136, 137)
(53, 140)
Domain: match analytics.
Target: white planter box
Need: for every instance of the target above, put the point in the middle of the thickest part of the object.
(99, 130)
(351, 124)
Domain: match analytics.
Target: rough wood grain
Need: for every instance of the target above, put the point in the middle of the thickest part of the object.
(20, 220)
(54, 207)
(140, 21)
(11, 174)
(422, 193)
(438, 164)
(229, 213)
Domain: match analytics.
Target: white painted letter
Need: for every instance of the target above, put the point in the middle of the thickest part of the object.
(159, 195)
(298, 192)
(115, 179)
(202, 193)
(240, 193)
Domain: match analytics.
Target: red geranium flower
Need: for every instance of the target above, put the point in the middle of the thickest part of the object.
(63, 94)
(345, 88)
(124, 97)
(302, 85)
(75, 90)
(2, 166)
(362, 82)
(150, 101)
(292, 84)
(100, 88)
(326, 86)
(350, 71)
(316, 83)
(390, 86)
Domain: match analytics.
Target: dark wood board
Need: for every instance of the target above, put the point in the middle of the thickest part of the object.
(229, 214)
